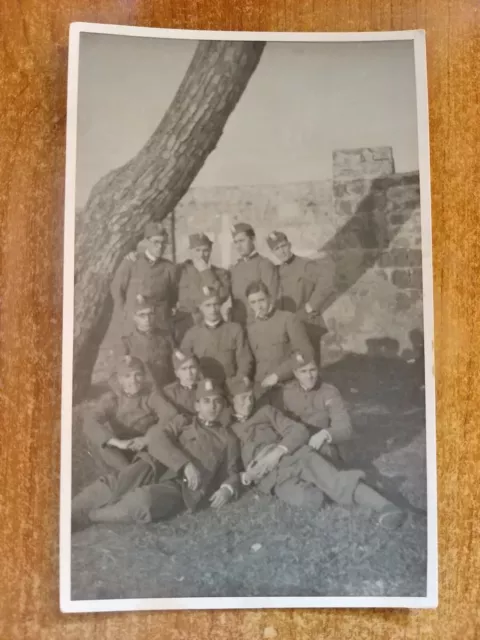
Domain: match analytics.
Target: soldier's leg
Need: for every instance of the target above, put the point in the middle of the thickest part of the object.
(299, 493)
(144, 504)
(106, 458)
(91, 497)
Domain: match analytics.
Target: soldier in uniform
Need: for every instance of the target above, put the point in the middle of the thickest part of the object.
(318, 406)
(116, 424)
(251, 266)
(195, 274)
(148, 343)
(220, 347)
(273, 336)
(304, 287)
(278, 460)
(148, 275)
(189, 464)
(180, 395)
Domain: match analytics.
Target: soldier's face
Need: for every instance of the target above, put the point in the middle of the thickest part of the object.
(283, 252)
(131, 382)
(156, 245)
(244, 244)
(307, 376)
(259, 303)
(187, 373)
(211, 309)
(202, 253)
(243, 403)
(144, 320)
(209, 408)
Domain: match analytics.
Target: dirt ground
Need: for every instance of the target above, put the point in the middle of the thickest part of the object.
(259, 546)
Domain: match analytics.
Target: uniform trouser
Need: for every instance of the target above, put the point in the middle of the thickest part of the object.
(315, 333)
(98, 502)
(106, 458)
(310, 477)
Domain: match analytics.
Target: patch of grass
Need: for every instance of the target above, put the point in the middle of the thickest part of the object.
(330, 552)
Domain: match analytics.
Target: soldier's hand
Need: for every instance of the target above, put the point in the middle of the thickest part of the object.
(200, 264)
(261, 466)
(137, 444)
(192, 476)
(270, 381)
(119, 444)
(132, 256)
(220, 497)
(319, 439)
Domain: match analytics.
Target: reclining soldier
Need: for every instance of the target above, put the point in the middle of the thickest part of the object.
(190, 464)
(278, 460)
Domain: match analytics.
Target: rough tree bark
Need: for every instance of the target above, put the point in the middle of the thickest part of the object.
(150, 185)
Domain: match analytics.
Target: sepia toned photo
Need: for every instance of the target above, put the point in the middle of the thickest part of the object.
(248, 412)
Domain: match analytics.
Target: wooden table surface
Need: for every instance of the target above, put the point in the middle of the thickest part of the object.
(33, 56)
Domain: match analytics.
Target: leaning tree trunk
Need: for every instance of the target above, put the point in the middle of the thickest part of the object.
(150, 185)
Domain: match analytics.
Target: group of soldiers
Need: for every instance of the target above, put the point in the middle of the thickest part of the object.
(216, 388)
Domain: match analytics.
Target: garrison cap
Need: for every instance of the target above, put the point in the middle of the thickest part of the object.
(179, 358)
(154, 229)
(127, 364)
(142, 303)
(275, 238)
(242, 227)
(199, 240)
(206, 293)
(300, 359)
(237, 386)
(207, 388)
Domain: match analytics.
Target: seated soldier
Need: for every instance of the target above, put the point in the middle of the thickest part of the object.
(277, 459)
(146, 342)
(116, 424)
(273, 336)
(192, 463)
(317, 405)
(195, 274)
(180, 395)
(220, 347)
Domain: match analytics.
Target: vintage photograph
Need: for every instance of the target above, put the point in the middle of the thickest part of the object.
(248, 413)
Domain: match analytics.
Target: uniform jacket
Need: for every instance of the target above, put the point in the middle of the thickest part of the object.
(117, 415)
(269, 426)
(213, 449)
(154, 350)
(222, 351)
(303, 281)
(156, 281)
(321, 408)
(245, 271)
(191, 282)
(272, 341)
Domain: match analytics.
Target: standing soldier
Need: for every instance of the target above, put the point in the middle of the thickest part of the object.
(220, 347)
(189, 464)
(145, 341)
(148, 275)
(318, 406)
(304, 287)
(195, 274)
(273, 336)
(278, 459)
(250, 267)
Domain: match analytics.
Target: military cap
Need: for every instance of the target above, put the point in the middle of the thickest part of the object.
(237, 386)
(154, 229)
(206, 293)
(300, 360)
(127, 364)
(242, 227)
(179, 358)
(275, 238)
(208, 387)
(199, 240)
(142, 303)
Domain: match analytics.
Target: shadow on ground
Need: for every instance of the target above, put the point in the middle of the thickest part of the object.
(331, 552)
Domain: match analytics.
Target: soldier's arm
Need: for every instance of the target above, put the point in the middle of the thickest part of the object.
(96, 420)
(173, 287)
(293, 434)
(269, 275)
(340, 428)
(298, 337)
(182, 284)
(322, 279)
(165, 410)
(233, 464)
(243, 355)
(188, 343)
(120, 281)
(164, 446)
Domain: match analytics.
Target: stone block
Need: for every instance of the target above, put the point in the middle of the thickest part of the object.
(365, 162)
(406, 299)
(399, 257)
(407, 278)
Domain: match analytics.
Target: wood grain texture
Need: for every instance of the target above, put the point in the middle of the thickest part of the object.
(33, 52)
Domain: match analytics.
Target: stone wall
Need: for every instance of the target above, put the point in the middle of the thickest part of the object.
(365, 230)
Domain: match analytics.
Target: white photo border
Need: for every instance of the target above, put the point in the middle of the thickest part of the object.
(67, 605)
